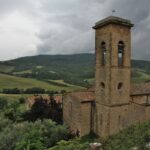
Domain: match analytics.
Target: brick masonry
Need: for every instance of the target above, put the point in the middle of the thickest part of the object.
(115, 103)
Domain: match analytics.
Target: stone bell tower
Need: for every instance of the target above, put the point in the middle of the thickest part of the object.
(113, 71)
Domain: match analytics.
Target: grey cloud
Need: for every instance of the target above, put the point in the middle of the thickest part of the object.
(65, 25)
(76, 19)
(138, 11)
(80, 15)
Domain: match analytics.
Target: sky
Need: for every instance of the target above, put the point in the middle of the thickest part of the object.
(33, 27)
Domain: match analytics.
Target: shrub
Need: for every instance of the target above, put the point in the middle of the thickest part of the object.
(4, 123)
(41, 109)
(34, 90)
(33, 136)
(13, 112)
(136, 135)
(11, 91)
(3, 103)
(74, 144)
(22, 100)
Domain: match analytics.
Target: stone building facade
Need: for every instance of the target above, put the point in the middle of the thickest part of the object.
(114, 103)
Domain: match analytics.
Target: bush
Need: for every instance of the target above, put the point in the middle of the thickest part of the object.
(13, 112)
(34, 90)
(11, 91)
(10, 136)
(4, 123)
(41, 109)
(74, 144)
(33, 136)
(137, 135)
(3, 103)
(22, 100)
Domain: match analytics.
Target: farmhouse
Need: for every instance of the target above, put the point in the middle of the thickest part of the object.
(114, 103)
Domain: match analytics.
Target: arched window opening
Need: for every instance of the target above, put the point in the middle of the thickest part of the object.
(120, 53)
(120, 85)
(102, 84)
(103, 48)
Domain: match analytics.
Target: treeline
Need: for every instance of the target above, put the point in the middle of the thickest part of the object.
(34, 90)
(71, 78)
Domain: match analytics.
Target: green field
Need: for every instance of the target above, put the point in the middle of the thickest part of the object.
(6, 68)
(8, 81)
(140, 76)
(14, 96)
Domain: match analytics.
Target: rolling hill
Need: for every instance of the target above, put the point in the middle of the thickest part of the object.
(77, 69)
(8, 81)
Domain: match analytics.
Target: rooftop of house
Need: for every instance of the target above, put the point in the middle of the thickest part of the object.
(114, 20)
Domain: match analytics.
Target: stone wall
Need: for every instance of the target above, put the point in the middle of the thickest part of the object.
(111, 75)
(77, 114)
(86, 118)
(72, 113)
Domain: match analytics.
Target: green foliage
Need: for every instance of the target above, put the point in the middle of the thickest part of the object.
(4, 123)
(13, 111)
(74, 144)
(26, 145)
(135, 74)
(34, 90)
(31, 136)
(58, 67)
(11, 82)
(11, 91)
(15, 134)
(41, 109)
(136, 135)
(3, 103)
(73, 69)
(22, 100)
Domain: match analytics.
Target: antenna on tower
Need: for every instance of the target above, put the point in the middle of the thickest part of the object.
(113, 12)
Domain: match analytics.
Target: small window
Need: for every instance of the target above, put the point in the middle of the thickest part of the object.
(102, 84)
(103, 48)
(120, 53)
(120, 85)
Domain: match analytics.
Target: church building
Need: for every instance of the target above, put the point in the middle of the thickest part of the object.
(114, 103)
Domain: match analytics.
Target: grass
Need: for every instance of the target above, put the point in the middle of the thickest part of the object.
(143, 77)
(6, 68)
(62, 83)
(8, 81)
(14, 96)
(22, 72)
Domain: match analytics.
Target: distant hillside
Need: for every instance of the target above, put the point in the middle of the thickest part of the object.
(77, 69)
(8, 81)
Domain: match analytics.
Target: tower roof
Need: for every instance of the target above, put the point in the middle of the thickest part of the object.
(114, 20)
